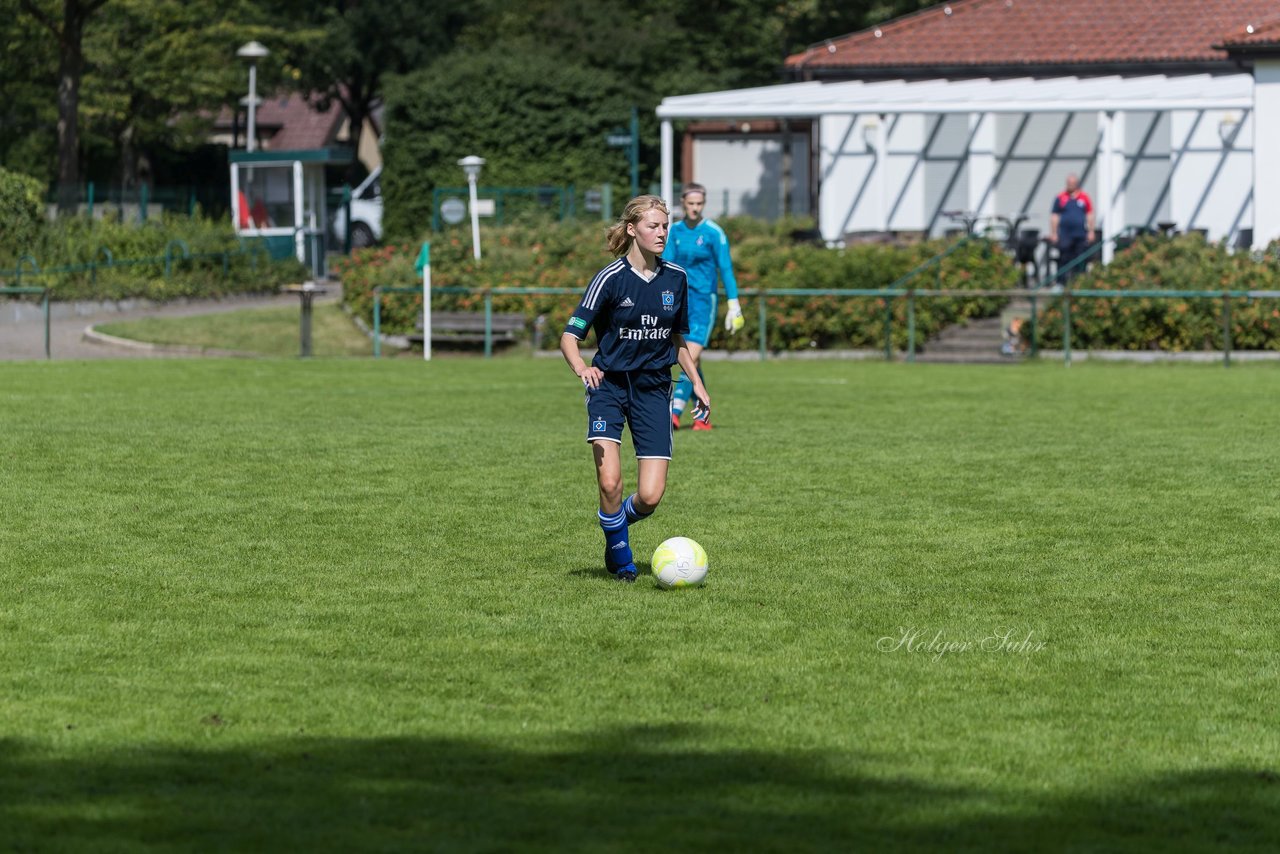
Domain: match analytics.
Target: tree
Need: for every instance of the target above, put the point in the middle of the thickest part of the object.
(359, 42)
(68, 31)
(535, 119)
(28, 110)
(160, 69)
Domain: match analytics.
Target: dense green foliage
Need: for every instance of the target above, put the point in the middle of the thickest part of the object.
(306, 606)
(130, 260)
(540, 121)
(1177, 323)
(155, 71)
(566, 256)
(21, 210)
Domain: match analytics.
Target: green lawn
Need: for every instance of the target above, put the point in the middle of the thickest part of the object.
(337, 605)
(264, 331)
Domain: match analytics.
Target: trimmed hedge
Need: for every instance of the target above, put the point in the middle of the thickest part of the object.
(568, 255)
(1175, 324)
(20, 220)
(139, 268)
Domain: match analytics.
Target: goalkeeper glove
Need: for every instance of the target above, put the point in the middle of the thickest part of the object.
(733, 320)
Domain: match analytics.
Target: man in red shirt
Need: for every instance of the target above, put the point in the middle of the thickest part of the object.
(1071, 225)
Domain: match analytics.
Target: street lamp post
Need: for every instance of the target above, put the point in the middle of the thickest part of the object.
(252, 52)
(471, 165)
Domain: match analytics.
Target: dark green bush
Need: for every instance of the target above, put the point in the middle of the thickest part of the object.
(568, 255)
(1174, 324)
(65, 249)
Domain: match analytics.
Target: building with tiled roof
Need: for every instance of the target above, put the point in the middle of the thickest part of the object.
(1003, 37)
(1254, 39)
(1167, 110)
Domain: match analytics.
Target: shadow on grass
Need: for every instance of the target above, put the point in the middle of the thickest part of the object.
(598, 573)
(644, 788)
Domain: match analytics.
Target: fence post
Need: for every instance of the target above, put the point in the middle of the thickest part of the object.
(488, 323)
(911, 324)
(45, 306)
(764, 349)
(1066, 327)
(346, 208)
(89, 205)
(17, 272)
(1035, 340)
(143, 198)
(168, 253)
(377, 323)
(888, 329)
(1226, 329)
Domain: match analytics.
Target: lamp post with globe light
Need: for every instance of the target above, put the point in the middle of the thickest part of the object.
(471, 165)
(253, 51)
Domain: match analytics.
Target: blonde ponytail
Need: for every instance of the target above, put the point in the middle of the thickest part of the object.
(616, 239)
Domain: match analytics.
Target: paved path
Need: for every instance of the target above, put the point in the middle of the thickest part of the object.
(22, 337)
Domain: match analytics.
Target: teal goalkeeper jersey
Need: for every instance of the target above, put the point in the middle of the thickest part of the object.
(703, 252)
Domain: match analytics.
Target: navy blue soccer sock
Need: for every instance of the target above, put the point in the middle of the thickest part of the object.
(629, 508)
(617, 550)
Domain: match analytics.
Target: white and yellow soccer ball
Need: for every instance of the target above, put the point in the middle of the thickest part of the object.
(679, 562)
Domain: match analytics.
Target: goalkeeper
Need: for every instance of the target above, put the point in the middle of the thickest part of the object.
(701, 248)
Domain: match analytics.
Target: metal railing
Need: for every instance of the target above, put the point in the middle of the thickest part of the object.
(103, 257)
(911, 295)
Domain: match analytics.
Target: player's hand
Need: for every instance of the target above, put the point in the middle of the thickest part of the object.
(701, 404)
(733, 320)
(591, 377)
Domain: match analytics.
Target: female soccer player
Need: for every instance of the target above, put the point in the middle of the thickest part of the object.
(637, 308)
(701, 247)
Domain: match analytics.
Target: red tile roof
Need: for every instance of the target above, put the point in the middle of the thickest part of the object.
(286, 122)
(1266, 33)
(1075, 33)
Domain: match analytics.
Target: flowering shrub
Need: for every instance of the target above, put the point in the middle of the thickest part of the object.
(1180, 323)
(569, 255)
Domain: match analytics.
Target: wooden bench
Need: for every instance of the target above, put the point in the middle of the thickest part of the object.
(467, 327)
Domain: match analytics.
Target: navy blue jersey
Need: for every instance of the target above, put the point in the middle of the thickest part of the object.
(633, 318)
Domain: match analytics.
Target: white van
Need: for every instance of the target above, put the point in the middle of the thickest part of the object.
(366, 214)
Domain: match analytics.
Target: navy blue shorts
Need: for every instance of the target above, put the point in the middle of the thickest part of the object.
(641, 399)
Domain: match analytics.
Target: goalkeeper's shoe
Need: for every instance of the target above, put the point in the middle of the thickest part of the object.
(702, 424)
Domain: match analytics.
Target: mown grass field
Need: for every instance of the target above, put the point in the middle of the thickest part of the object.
(261, 331)
(352, 605)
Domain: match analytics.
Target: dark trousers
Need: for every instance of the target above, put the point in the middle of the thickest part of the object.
(1070, 247)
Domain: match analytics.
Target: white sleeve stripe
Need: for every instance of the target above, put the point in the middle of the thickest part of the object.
(724, 238)
(597, 285)
(593, 290)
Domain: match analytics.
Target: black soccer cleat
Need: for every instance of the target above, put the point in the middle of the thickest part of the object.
(626, 574)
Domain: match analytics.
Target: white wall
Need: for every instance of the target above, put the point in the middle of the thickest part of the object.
(743, 174)
(1265, 135)
(1167, 167)
(1211, 179)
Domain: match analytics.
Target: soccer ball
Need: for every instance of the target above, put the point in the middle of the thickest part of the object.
(679, 562)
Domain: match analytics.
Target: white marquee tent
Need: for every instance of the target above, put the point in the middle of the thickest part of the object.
(891, 155)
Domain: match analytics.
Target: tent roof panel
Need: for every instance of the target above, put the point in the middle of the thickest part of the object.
(1014, 95)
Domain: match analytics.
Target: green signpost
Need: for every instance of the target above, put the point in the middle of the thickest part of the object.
(619, 138)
